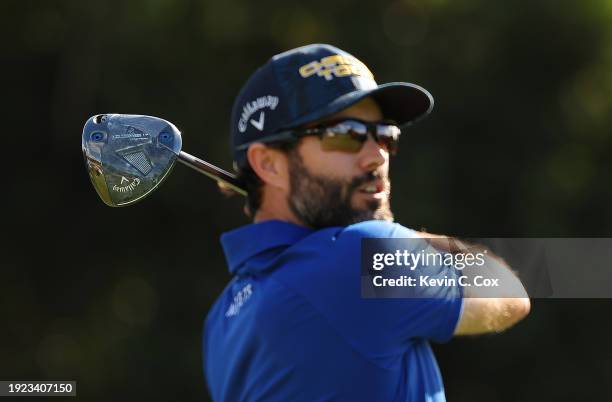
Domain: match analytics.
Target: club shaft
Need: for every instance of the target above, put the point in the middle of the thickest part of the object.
(211, 171)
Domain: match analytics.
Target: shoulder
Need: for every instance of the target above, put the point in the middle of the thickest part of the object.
(376, 229)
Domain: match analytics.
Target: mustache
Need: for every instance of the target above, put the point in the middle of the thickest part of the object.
(366, 178)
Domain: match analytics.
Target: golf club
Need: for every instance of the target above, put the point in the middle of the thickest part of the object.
(129, 156)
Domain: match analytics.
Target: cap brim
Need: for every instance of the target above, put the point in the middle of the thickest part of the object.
(401, 102)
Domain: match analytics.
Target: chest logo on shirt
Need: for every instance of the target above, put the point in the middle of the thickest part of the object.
(240, 298)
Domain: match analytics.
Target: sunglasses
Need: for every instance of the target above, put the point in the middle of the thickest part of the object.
(345, 135)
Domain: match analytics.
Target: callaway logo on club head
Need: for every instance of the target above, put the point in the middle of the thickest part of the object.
(126, 185)
(250, 108)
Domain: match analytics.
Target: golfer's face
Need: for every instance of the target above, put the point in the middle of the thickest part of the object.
(372, 161)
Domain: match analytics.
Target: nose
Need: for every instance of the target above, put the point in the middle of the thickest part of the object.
(372, 155)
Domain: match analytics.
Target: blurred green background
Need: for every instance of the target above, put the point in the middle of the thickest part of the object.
(518, 144)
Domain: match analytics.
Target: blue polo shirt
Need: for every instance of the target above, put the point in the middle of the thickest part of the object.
(292, 325)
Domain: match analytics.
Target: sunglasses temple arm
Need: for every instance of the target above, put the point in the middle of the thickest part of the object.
(282, 136)
(227, 179)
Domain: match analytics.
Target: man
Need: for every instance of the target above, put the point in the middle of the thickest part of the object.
(312, 137)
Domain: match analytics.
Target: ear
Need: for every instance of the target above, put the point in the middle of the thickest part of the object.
(271, 165)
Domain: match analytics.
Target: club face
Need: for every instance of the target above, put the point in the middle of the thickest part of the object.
(128, 156)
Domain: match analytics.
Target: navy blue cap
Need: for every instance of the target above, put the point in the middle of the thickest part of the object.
(310, 83)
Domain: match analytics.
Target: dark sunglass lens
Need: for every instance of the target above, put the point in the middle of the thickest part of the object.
(388, 137)
(340, 142)
(350, 127)
(347, 136)
(388, 130)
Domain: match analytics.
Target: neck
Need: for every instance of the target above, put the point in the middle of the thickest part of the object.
(267, 214)
(274, 206)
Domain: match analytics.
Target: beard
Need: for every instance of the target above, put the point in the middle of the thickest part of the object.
(320, 201)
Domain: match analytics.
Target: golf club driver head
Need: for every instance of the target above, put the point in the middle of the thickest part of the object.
(128, 156)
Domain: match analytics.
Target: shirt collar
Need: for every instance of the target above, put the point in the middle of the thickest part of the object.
(246, 242)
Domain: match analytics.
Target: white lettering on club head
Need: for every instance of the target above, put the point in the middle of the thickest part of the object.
(130, 187)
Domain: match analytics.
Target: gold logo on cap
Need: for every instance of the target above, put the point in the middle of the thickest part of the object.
(335, 66)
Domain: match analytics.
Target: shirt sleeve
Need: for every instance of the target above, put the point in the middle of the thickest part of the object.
(383, 329)
(404, 313)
